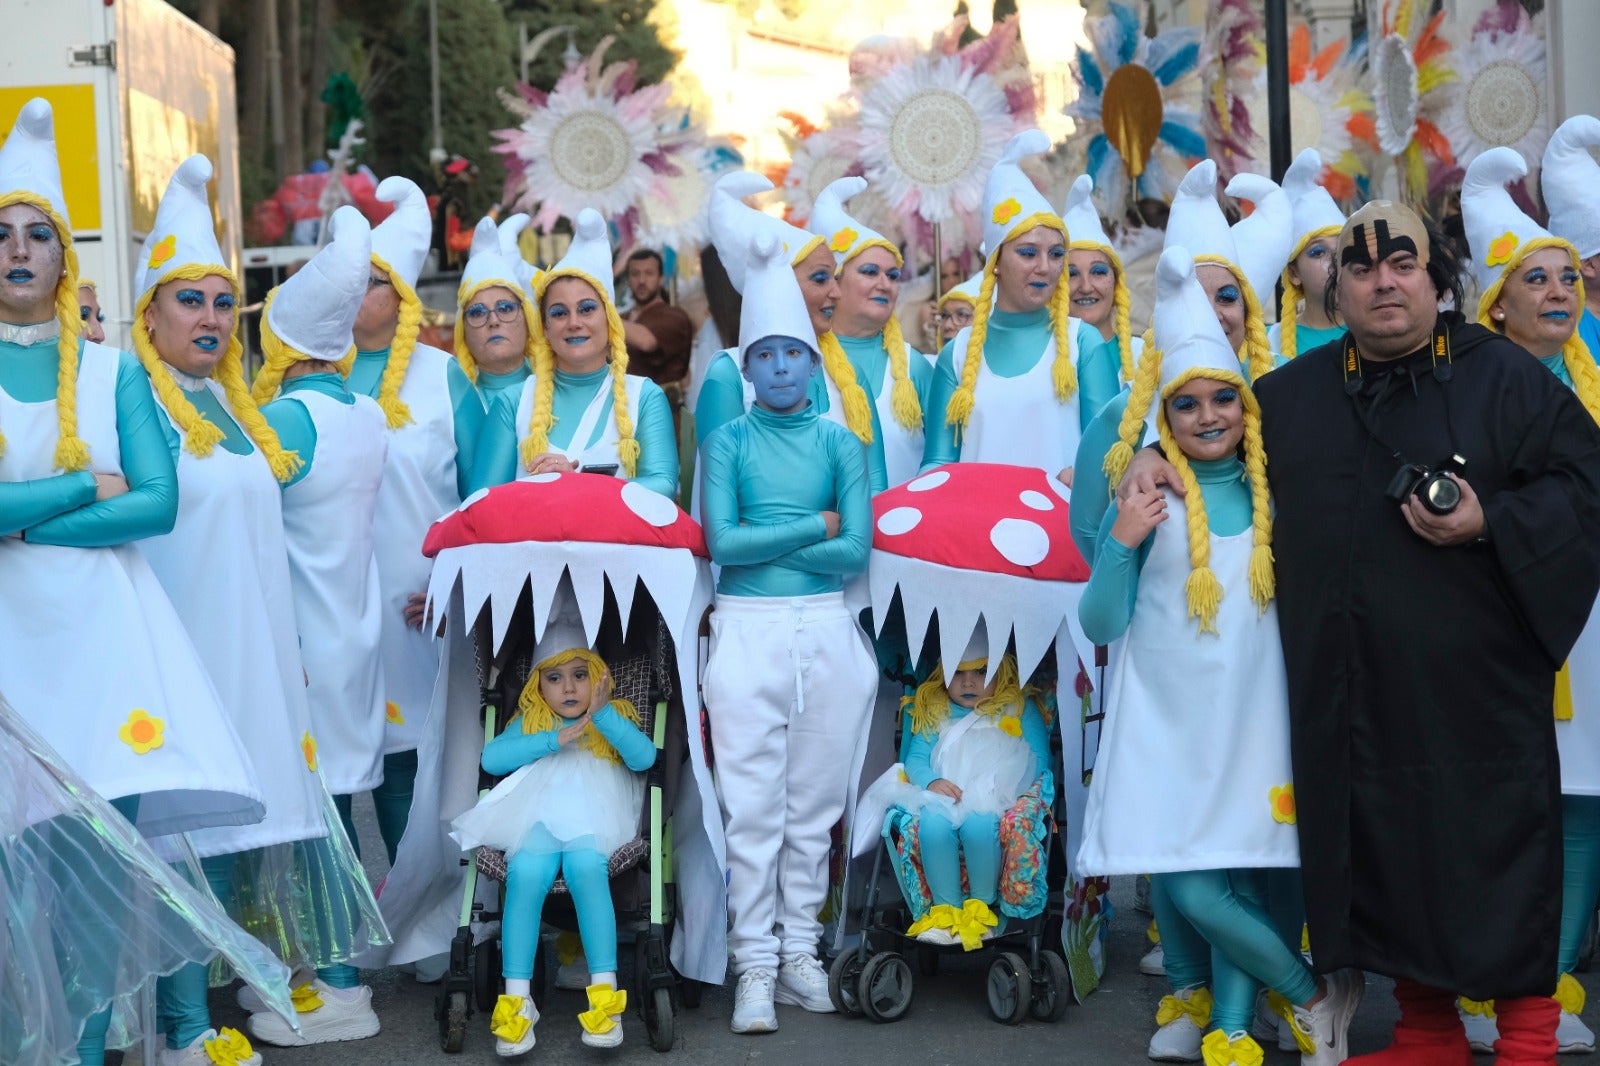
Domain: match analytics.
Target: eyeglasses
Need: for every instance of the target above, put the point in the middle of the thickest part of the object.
(376, 282)
(503, 311)
(962, 317)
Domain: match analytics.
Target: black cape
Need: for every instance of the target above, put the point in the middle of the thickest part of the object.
(1421, 678)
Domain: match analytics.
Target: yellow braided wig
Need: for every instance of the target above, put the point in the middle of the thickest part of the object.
(200, 436)
(1063, 372)
(857, 408)
(1121, 302)
(1575, 354)
(930, 706)
(395, 410)
(544, 369)
(72, 453)
(279, 357)
(1130, 431)
(1289, 304)
(539, 717)
(903, 398)
(464, 297)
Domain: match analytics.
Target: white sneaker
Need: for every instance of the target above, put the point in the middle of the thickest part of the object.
(1141, 893)
(1177, 1041)
(226, 1043)
(506, 1022)
(1154, 962)
(1572, 1036)
(1482, 1030)
(329, 1015)
(602, 1022)
(802, 982)
(752, 1002)
(1270, 1026)
(250, 1000)
(574, 975)
(1328, 1022)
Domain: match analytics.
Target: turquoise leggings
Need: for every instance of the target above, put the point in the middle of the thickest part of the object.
(944, 845)
(391, 800)
(1228, 908)
(92, 1044)
(1186, 953)
(528, 879)
(1580, 873)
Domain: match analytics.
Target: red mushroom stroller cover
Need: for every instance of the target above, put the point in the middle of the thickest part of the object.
(982, 542)
(531, 537)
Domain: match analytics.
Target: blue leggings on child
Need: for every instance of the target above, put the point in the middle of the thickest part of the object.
(1228, 908)
(1580, 872)
(943, 846)
(1187, 955)
(92, 1044)
(529, 876)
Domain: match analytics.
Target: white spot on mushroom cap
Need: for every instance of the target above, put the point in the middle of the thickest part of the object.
(1020, 541)
(899, 520)
(1038, 501)
(650, 506)
(928, 481)
(472, 499)
(545, 478)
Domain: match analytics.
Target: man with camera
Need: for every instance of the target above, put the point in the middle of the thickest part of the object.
(1438, 504)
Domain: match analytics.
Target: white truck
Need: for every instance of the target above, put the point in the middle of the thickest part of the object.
(137, 88)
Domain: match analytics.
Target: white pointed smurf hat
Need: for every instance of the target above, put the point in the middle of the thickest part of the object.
(1083, 220)
(182, 235)
(773, 304)
(1196, 221)
(846, 236)
(735, 224)
(563, 630)
(400, 242)
(314, 312)
(1499, 234)
(968, 290)
(511, 246)
(1265, 239)
(1187, 333)
(491, 263)
(1315, 212)
(1011, 203)
(1571, 181)
(588, 257)
(29, 169)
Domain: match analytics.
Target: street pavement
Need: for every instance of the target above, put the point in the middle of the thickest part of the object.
(948, 1023)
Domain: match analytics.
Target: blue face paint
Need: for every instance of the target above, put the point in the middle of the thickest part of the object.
(780, 368)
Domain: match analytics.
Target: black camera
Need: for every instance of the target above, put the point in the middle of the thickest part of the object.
(1432, 487)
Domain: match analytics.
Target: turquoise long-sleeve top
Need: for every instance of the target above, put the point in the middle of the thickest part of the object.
(234, 438)
(61, 508)
(722, 400)
(1091, 489)
(296, 431)
(1589, 330)
(919, 752)
(1308, 337)
(366, 376)
(515, 749)
(1013, 344)
(768, 477)
(502, 388)
(498, 461)
(1107, 604)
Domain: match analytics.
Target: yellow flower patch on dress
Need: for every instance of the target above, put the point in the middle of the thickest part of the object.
(142, 732)
(842, 240)
(165, 249)
(391, 711)
(1006, 210)
(1282, 799)
(1501, 249)
(1011, 725)
(308, 748)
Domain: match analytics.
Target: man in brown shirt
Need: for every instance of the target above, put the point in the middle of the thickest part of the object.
(659, 335)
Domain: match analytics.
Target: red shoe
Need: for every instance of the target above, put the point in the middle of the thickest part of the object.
(1429, 1031)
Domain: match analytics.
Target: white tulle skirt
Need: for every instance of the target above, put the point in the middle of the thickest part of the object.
(571, 799)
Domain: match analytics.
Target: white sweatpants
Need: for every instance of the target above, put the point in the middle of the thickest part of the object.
(788, 688)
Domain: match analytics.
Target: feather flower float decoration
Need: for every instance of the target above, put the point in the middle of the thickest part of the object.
(1232, 57)
(817, 158)
(1328, 111)
(1131, 96)
(1412, 87)
(1502, 99)
(596, 140)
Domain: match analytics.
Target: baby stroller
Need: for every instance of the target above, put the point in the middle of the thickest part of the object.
(635, 569)
(964, 545)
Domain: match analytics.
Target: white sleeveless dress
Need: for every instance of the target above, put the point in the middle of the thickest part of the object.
(594, 440)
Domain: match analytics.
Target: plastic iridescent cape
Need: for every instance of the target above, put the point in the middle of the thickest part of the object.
(89, 916)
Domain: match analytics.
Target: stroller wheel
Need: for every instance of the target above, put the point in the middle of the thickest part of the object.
(885, 987)
(486, 973)
(453, 1022)
(658, 1018)
(1010, 988)
(842, 978)
(1052, 988)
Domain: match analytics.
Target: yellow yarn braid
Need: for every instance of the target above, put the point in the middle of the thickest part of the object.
(395, 410)
(1130, 431)
(1064, 372)
(544, 390)
(1124, 327)
(1575, 354)
(200, 436)
(931, 704)
(539, 717)
(1263, 578)
(1203, 589)
(1288, 315)
(71, 451)
(857, 408)
(462, 353)
(959, 410)
(230, 375)
(903, 399)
